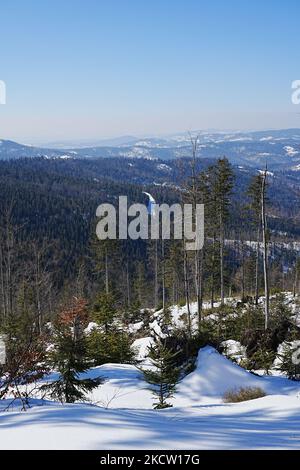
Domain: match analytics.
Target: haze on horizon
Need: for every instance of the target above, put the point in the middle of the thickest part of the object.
(91, 70)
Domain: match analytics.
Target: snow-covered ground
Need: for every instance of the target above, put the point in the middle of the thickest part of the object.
(267, 423)
(121, 416)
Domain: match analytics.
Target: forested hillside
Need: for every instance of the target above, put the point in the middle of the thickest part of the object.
(48, 224)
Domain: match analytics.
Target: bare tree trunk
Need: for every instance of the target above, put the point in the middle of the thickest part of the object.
(198, 284)
(9, 247)
(2, 283)
(106, 273)
(156, 276)
(295, 285)
(222, 258)
(212, 287)
(243, 272)
(140, 284)
(186, 290)
(257, 266)
(174, 285)
(197, 280)
(163, 275)
(37, 291)
(128, 284)
(265, 249)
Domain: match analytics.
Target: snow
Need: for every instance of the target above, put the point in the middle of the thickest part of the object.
(163, 167)
(123, 417)
(234, 350)
(290, 151)
(91, 326)
(262, 172)
(198, 420)
(135, 327)
(118, 414)
(215, 374)
(141, 345)
(282, 348)
(124, 387)
(268, 423)
(177, 314)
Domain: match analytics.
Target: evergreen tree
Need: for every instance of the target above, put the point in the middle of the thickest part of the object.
(290, 360)
(223, 189)
(69, 356)
(109, 342)
(111, 347)
(211, 228)
(254, 194)
(165, 375)
(262, 359)
(104, 311)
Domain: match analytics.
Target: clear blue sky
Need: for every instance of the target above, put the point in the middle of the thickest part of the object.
(90, 69)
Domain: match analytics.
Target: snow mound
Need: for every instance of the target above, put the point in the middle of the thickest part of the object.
(215, 374)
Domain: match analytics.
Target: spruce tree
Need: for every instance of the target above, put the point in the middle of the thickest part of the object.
(223, 189)
(165, 374)
(109, 341)
(290, 360)
(104, 311)
(111, 347)
(254, 194)
(69, 356)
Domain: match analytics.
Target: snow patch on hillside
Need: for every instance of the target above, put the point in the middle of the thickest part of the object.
(290, 151)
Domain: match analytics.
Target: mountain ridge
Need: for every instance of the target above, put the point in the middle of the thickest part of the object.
(279, 149)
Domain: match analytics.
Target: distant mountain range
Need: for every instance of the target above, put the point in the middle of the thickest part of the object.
(280, 149)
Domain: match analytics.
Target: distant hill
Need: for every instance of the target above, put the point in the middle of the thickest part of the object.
(279, 149)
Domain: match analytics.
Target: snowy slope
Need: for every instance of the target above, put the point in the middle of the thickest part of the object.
(123, 418)
(214, 374)
(124, 387)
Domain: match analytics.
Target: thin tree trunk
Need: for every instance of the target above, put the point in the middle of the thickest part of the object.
(222, 259)
(212, 293)
(128, 284)
(163, 276)
(186, 290)
(106, 273)
(200, 298)
(156, 276)
(295, 281)
(257, 266)
(198, 285)
(243, 272)
(265, 250)
(2, 283)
